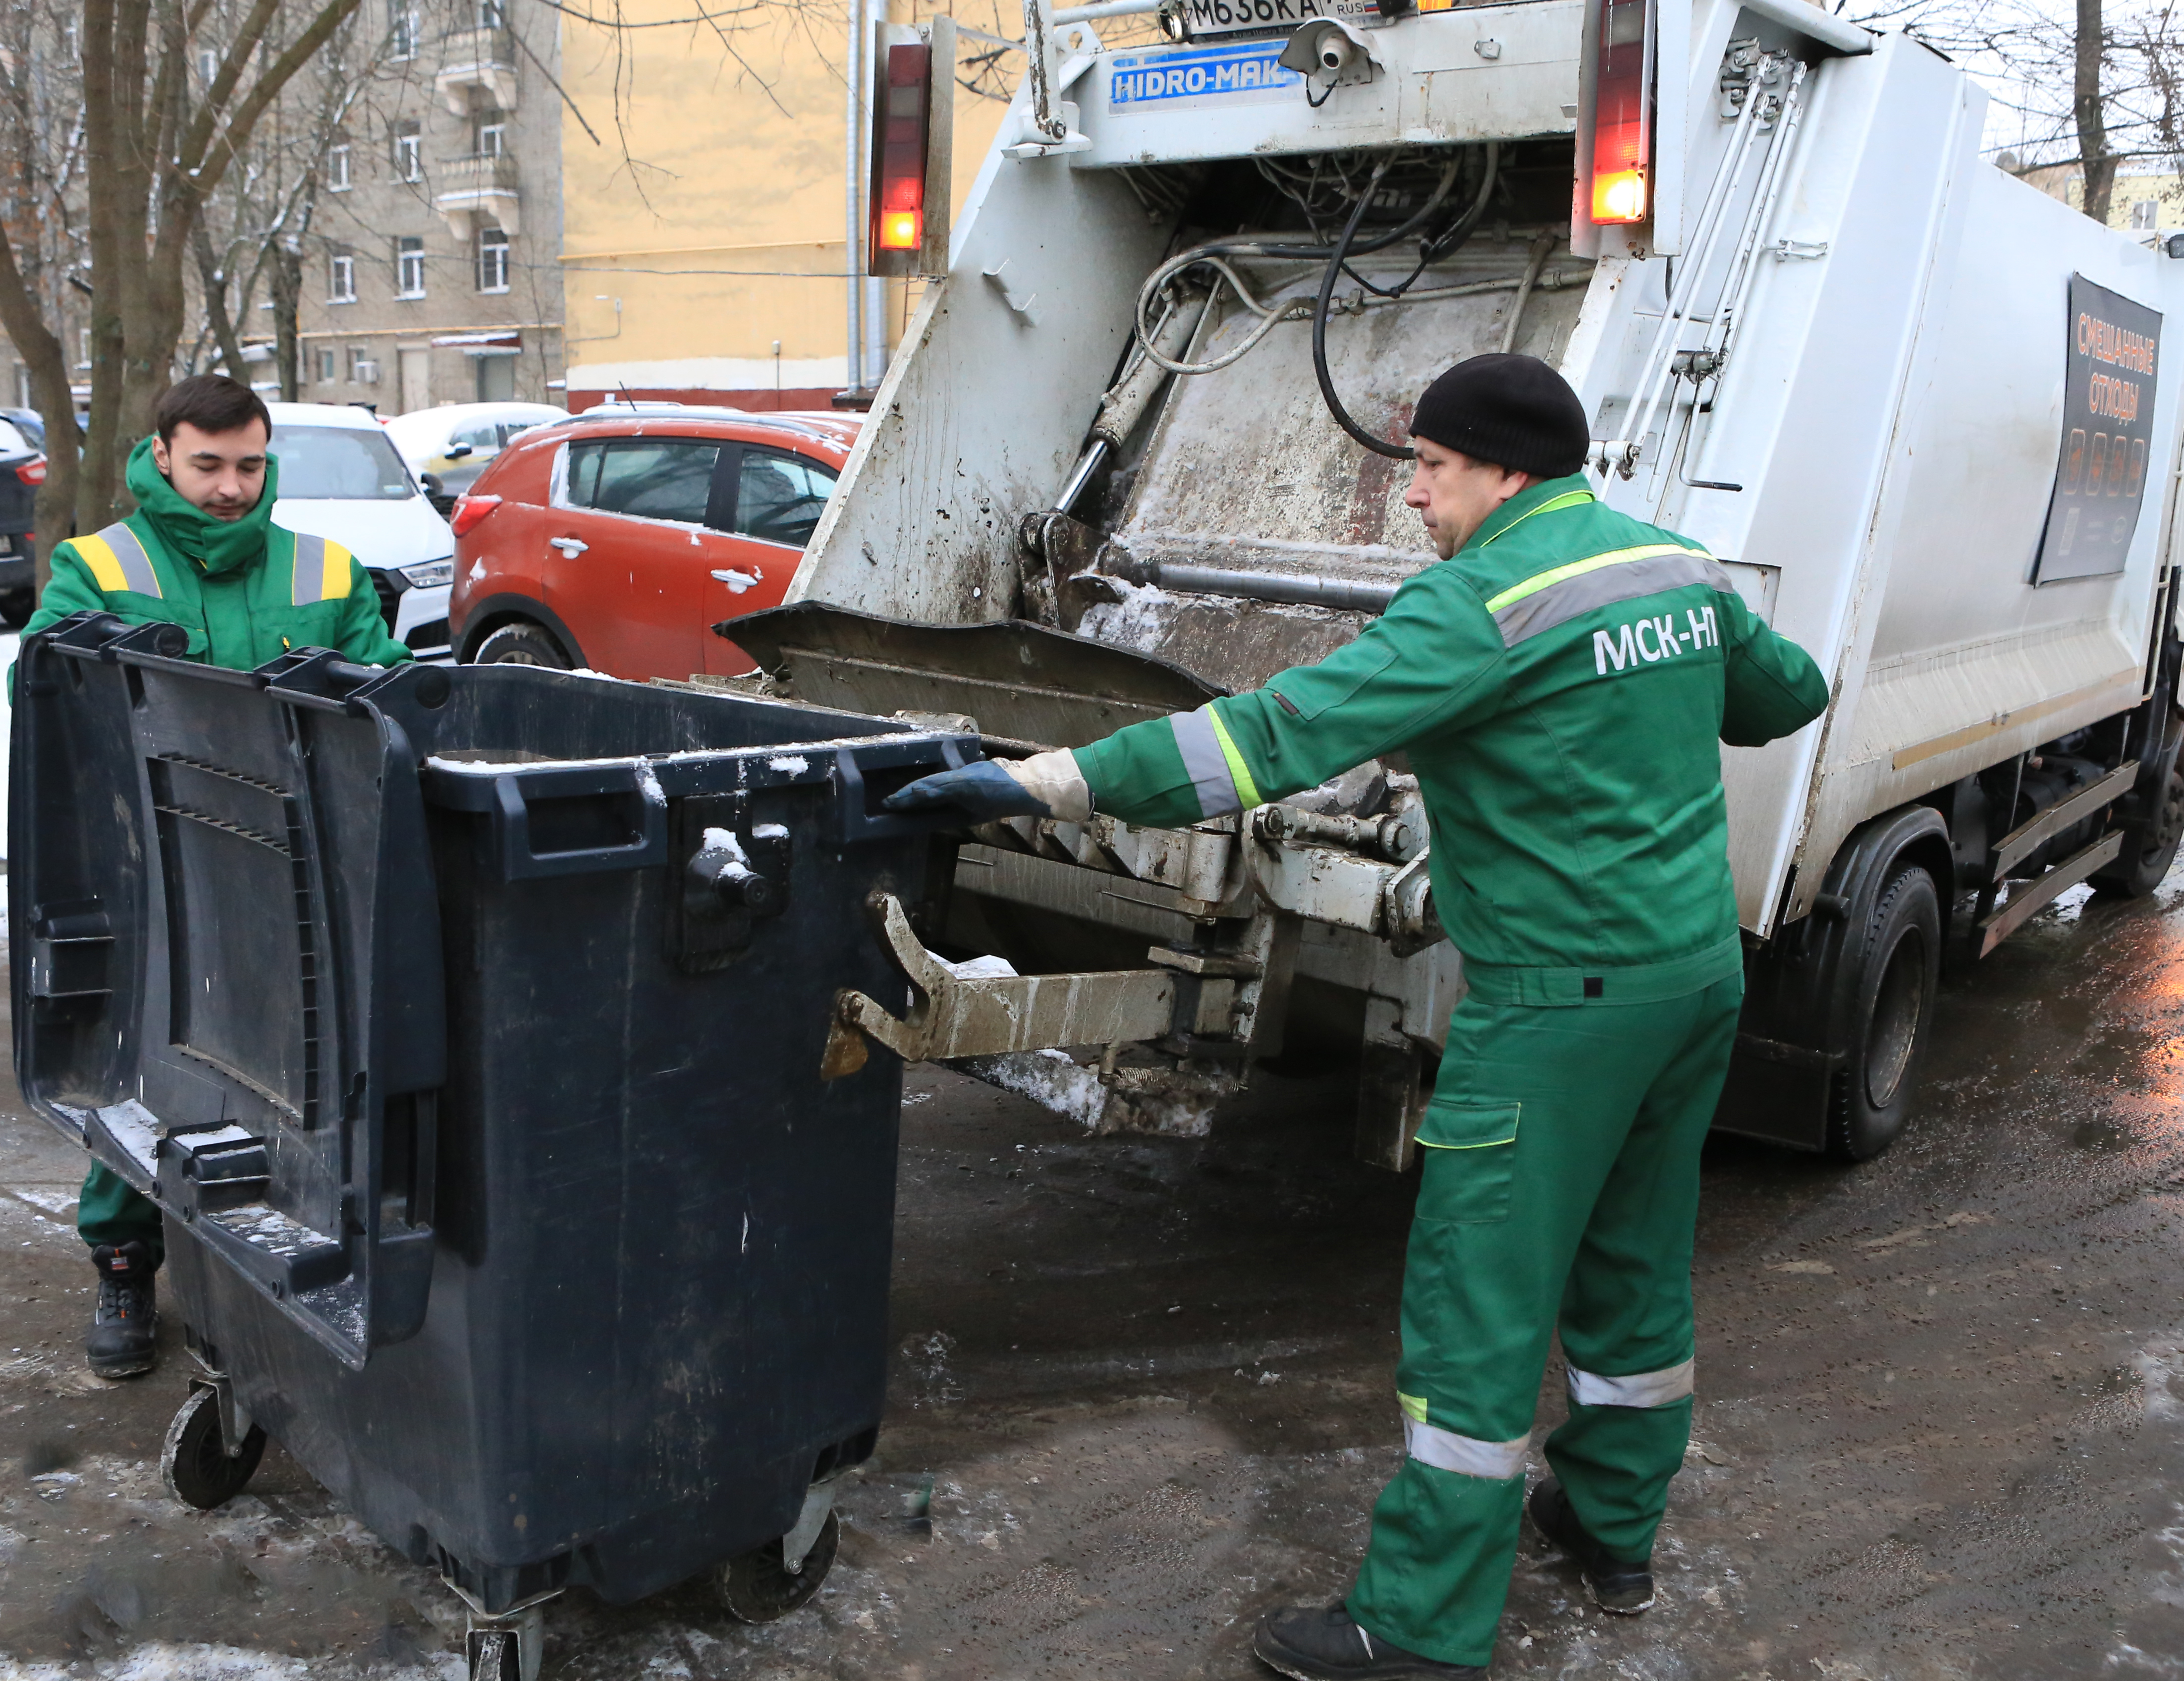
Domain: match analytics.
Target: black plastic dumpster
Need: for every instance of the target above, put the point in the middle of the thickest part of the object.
(466, 1025)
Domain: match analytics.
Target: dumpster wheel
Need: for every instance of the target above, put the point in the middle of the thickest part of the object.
(757, 1587)
(198, 1469)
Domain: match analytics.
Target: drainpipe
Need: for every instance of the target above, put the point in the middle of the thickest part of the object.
(853, 196)
(874, 311)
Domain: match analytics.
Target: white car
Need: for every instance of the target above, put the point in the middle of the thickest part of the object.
(341, 478)
(454, 442)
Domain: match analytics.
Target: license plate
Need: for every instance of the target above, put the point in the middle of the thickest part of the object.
(1213, 17)
(7, 544)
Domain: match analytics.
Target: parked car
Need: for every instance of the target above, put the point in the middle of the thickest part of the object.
(340, 477)
(617, 540)
(455, 443)
(22, 471)
(28, 421)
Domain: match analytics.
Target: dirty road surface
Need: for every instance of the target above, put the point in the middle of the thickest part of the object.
(1142, 1391)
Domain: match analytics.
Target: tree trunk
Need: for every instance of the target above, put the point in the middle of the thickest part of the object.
(215, 302)
(2093, 157)
(46, 358)
(284, 277)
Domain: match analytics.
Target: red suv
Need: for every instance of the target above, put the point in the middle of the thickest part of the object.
(617, 540)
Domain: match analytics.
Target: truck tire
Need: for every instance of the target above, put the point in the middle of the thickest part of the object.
(2147, 852)
(1890, 1017)
(521, 643)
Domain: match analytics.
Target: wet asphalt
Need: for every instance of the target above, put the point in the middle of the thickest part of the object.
(1142, 1391)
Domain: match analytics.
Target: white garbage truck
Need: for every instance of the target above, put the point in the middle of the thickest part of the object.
(1141, 445)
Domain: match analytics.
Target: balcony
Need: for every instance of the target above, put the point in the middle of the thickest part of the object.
(478, 189)
(480, 58)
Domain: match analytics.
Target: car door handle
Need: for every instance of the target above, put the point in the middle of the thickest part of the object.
(738, 582)
(570, 546)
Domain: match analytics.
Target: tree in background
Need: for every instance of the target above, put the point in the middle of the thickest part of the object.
(168, 102)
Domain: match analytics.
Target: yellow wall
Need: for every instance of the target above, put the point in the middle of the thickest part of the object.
(711, 206)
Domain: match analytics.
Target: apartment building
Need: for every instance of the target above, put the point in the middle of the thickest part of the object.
(431, 275)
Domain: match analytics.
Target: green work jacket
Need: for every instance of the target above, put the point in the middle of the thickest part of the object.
(1560, 685)
(247, 592)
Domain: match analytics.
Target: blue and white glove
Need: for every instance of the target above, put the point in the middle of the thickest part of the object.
(1047, 784)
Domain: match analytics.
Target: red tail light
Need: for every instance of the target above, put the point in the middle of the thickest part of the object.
(1623, 119)
(470, 510)
(898, 194)
(32, 471)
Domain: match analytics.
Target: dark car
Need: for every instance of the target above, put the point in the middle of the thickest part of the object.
(22, 471)
(30, 422)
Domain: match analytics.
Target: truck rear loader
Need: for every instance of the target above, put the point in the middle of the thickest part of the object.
(1142, 444)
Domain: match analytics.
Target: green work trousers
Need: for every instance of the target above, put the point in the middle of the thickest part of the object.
(1559, 1185)
(108, 1211)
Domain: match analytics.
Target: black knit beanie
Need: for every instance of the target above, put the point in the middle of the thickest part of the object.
(1514, 411)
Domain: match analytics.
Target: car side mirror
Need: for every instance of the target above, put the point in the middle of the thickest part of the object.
(430, 481)
(455, 452)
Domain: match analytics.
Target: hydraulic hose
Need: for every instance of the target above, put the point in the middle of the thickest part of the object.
(1400, 452)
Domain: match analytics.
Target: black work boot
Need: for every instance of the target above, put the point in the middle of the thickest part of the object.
(1623, 1589)
(124, 1325)
(1311, 1643)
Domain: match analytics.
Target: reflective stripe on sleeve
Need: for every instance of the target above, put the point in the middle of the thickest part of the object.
(322, 571)
(1556, 596)
(1640, 1389)
(1206, 750)
(117, 561)
(1466, 1456)
(1247, 791)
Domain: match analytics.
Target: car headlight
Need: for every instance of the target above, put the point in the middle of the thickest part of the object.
(430, 573)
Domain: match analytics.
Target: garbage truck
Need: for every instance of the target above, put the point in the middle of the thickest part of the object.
(1142, 444)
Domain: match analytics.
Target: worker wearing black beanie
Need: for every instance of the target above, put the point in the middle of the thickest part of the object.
(1562, 682)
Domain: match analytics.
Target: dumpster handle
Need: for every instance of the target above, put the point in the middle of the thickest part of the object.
(859, 824)
(520, 857)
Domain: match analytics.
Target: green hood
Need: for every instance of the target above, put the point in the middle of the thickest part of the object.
(216, 545)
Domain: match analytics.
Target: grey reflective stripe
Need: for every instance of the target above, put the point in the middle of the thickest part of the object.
(137, 571)
(1205, 763)
(1466, 1456)
(311, 574)
(1639, 1389)
(1626, 581)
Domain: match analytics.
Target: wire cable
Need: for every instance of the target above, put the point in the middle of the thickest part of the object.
(1400, 452)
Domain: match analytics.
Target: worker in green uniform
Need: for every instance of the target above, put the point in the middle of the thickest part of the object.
(1561, 682)
(201, 551)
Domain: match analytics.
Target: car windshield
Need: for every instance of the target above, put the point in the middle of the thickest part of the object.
(343, 463)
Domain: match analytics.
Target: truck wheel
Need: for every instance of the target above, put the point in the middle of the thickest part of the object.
(2147, 852)
(1890, 1017)
(756, 1588)
(521, 643)
(197, 1468)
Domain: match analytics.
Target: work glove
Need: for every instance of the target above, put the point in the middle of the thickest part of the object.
(1045, 784)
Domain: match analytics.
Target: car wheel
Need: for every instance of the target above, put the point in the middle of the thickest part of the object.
(1890, 1017)
(521, 643)
(16, 607)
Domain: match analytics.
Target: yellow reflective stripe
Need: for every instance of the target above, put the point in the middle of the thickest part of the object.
(335, 587)
(1240, 772)
(1532, 586)
(97, 554)
(1569, 498)
(1414, 1406)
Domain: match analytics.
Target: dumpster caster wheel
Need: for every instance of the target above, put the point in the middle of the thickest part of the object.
(198, 1469)
(506, 1648)
(757, 1587)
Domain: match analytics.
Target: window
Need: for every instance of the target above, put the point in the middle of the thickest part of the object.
(780, 497)
(83, 347)
(362, 369)
(2146, 215)
(666, 479)
(491, 14)
(337, 175)
(340, 278)
(339, 463)
(409, 266)
(327, 365)
(496, 378)
(489, 133)
(492, 260)
(207, 65)
(404, 29)
(408, 151)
